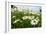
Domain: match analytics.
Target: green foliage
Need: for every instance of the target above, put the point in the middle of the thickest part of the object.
(25, 23)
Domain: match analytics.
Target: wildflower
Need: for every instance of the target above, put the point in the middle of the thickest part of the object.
(34, 22)
(25, 17)
(31, 17)
(37, 18)
(20, 21)
(28, 17)
(13, 16)
(16, 21)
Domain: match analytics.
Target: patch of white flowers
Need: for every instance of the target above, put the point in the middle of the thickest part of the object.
(13, 9)
(13, 16)
(16, 21)
(28, 17)
(34, 21)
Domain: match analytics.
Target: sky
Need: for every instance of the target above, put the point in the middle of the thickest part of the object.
(33, 8)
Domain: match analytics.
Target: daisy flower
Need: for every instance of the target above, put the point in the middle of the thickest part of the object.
(16, 21)
(25, 17)
(31, 17)
(35, 21)
(28, 17)
(13, 16)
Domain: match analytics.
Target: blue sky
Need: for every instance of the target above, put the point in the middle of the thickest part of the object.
(36, 8)
(33, 8)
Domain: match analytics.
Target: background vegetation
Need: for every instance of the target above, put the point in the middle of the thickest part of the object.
(25, 23)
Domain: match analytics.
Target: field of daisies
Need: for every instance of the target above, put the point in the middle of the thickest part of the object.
(25, 18)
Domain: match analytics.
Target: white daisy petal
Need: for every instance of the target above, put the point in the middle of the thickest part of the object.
(34, 22)
(16, 21)
(13, 16)
(28, 17)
